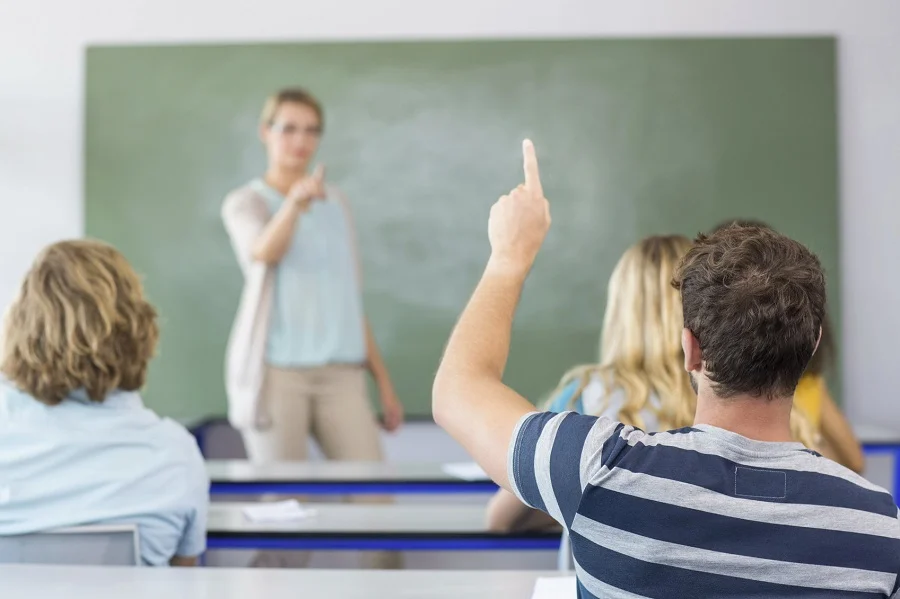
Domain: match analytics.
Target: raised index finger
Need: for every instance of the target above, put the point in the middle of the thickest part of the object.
(532, 176)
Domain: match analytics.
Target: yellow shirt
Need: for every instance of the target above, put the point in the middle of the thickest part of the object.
(808, 398)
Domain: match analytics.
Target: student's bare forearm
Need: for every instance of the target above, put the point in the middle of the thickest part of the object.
(479, 345)
(506, 514)
(469, 399)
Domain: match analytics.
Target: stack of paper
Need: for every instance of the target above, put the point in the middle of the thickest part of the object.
(465, 471)
(555, 588)
(277, 511)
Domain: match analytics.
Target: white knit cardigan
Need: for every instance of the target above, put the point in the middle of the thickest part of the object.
(245, 214)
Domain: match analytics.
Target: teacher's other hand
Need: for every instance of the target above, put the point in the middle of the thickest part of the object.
(520, 220)
(308, 189)
(392, 412)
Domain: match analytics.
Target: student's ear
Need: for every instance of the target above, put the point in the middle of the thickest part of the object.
(693, 360)
(264, 133)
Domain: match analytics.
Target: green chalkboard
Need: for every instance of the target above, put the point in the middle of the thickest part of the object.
(634, 136)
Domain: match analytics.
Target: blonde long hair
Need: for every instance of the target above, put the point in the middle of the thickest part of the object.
(80, 322)
(640, 347)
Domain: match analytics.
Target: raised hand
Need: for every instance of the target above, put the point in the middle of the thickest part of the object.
(308, 189)
(520, 220)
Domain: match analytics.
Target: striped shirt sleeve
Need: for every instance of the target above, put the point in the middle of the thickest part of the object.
(552, 456)
(896, 591)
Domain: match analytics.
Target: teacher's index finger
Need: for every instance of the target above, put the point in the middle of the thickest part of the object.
(532, 175)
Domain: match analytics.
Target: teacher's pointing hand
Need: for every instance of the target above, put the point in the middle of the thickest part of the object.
(520, 220)
(308, 189)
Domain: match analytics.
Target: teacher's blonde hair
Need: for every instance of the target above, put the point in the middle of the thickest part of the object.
(291, 95)
(80, 322)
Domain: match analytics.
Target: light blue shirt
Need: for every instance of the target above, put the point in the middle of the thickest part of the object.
(563, 400)
(317, 317)
(114, 462)
(595, 401)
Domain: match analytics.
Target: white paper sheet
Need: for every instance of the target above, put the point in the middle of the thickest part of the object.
(278, 511)
(465, 471)
(562, 587)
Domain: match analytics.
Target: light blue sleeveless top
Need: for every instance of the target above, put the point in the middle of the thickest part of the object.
(595, 401)
(317, 317)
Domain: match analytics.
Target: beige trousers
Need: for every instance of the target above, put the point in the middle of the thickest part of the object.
(330, 403)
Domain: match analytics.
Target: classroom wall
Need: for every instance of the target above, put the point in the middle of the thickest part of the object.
(41, 109)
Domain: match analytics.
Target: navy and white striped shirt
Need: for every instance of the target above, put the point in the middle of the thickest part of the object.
(704, 512)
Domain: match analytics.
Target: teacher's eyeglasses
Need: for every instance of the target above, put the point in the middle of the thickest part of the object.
(287, 129)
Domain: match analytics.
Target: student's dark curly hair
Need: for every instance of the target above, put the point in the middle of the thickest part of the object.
(823, 359)
(755, 301)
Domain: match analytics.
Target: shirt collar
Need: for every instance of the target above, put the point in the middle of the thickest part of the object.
(750, 445)
(116, 398)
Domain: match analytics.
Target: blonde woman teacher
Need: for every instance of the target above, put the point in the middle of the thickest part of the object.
(300, 347)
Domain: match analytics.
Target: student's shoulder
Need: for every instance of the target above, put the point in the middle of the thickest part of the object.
(839, 475)
(594, 394)
(860, 494)
(178, 442)
(8, 392)
(603, 401)
(14, 401)
(564, 399)
(183, 452)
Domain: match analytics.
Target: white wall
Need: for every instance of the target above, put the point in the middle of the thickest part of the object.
(41, 74)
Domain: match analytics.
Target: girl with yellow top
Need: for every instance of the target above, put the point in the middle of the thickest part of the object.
(640, 379)
(835, 436)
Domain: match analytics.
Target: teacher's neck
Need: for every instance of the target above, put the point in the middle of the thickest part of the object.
(283, 179)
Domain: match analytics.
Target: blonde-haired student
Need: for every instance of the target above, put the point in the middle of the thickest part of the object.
(640, 379)
(77, 445)
(828, 428)
(730, 506)
(835, 437)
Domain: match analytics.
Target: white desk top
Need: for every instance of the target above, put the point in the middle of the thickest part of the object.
(284, 472)
(66, 582)
(876, 434)
(350, 519)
